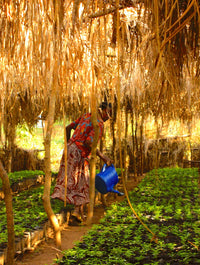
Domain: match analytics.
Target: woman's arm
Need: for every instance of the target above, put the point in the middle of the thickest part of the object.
(71, 126)
(68, 131)
(105, 158)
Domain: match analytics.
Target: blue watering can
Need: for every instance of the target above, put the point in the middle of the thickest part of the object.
(106, 179)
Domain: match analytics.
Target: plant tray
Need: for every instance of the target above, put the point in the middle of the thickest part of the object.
(30, 240)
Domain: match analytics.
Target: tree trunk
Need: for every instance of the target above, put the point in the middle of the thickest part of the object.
(50, 122)
(9, 213)
(113, 122)
(10, 144)
(93, 168)
(47, 144)
(94, 148)
(103, 199)
(134, 146)
(125, 162)
(141, 145)
(0, 127)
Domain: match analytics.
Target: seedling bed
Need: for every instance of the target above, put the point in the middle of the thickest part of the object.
(28, 207)
(31, 224)
(23, 180)
(30, 220)
(167, 201)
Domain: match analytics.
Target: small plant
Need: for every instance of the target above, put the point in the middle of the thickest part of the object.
(28, 212)
(122, 239)
(16, 177)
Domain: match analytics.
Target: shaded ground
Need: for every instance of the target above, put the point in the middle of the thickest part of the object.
(46, 252)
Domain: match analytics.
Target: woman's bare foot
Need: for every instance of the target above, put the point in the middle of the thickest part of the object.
(77, 212)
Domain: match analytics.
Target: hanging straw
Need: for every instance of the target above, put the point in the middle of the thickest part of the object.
(154, 238)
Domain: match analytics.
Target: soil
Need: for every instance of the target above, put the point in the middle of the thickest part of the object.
(46, 252)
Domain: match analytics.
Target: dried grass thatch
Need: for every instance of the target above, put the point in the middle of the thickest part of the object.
(150, 52)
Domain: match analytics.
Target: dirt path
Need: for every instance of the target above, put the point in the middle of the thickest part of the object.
(46, 252)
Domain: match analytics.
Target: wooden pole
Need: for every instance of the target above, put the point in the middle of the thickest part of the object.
(47, 142)
(47, 185)
(9, 214)
(65, 152)
(94, 146)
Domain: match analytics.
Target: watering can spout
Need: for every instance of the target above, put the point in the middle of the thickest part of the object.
(118, 192)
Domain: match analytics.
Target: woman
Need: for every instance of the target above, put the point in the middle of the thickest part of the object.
(78, 151)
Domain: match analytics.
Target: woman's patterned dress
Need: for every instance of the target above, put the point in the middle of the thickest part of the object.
(77, 163)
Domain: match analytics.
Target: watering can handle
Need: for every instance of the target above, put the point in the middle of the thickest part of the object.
(104, 167)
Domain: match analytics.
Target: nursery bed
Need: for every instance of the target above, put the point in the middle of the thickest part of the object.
(30, 240)
(23, 180)
(167, 201)
(30, 219)
(31, 223)
(28, 212)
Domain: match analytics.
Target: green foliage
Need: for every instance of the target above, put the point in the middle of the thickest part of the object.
(167, 200)
(18, 176)
(29, 213)
(32, 140)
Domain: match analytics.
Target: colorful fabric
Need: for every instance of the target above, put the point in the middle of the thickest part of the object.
(84, 131)
(77, 178)
(77, 163)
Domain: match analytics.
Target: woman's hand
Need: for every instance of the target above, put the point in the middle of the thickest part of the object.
(68, 132)
(108, 161)
(105, 159)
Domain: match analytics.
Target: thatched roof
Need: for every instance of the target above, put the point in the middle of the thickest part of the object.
(158, 62)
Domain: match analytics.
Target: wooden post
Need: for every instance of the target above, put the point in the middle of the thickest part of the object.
(47, 185)
(94, 146)
(47, 140)
(9, 213)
